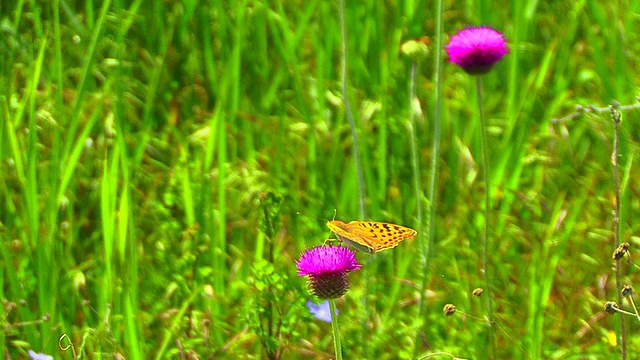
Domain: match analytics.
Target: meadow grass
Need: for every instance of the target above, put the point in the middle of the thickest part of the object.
(163, 164)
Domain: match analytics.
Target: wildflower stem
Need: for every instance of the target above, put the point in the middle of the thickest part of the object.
(433, 178)
(349, 113)
(417, 185)
(356, 150)
(635, 308)
(624, 312)
(269, 313)
(616, 116)
(435, 146)
(336, 329)
(487, 206)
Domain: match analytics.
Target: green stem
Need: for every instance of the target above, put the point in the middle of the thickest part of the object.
(356, 157)
(349, 113)
(433, 176)
(435, 149)
(487, 207)
(635, 308)
(336, 329)
(269, 290)
(417, 185)
(615, 114)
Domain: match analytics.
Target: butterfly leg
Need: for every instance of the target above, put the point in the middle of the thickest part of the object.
(328, 240)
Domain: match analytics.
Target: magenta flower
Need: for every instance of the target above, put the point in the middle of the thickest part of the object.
(328, 268)
(477, 49)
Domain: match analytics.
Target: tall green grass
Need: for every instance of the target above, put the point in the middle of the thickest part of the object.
(139, 141)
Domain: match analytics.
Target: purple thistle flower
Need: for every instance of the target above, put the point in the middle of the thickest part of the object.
(328, 268)
(477, 49)
(321, 311)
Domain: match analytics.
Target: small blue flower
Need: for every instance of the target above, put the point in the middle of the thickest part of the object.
(39, 356)
(321, 311)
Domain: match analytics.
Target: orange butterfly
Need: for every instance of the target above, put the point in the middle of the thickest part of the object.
(370, 236)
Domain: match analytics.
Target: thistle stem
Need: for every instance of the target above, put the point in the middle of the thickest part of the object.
(336, 329)
(487, 207)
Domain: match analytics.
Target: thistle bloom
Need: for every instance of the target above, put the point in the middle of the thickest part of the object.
(477, 49)
(328, 268)
(321, 311)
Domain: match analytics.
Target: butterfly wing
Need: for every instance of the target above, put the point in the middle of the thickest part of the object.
(373, 236)
(344, 232)
(382, 235)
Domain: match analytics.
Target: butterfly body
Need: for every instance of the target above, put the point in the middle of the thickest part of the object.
(370, 236)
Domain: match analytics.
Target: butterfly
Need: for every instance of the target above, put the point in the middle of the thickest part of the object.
(370, 236)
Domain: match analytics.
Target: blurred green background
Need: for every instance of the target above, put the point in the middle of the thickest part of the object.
(163, 164)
